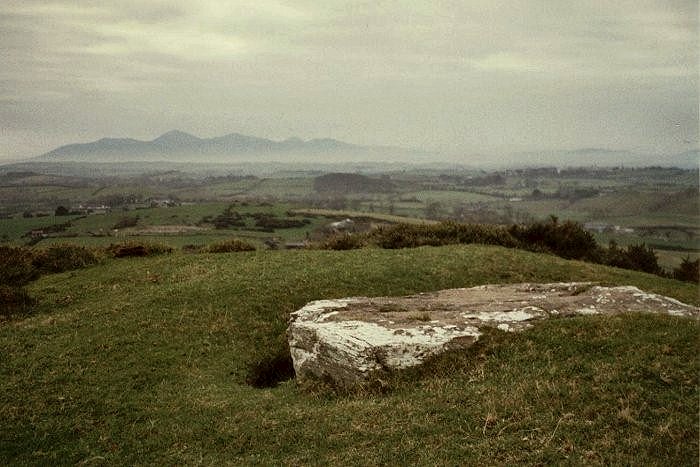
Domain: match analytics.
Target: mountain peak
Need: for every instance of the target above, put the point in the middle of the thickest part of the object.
(176, 136)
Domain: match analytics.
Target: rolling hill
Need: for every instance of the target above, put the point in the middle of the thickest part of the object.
(145, 361)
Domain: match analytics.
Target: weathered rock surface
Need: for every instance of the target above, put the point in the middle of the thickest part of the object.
(348, 341)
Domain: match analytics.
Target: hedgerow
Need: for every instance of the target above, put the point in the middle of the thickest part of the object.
(66, 257)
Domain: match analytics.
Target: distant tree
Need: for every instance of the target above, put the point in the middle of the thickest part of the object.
(61, 211)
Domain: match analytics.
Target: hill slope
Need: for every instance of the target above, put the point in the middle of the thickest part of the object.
(145, 361)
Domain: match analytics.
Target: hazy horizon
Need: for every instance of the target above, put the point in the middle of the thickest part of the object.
(484, 77)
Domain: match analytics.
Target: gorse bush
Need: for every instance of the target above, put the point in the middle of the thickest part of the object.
(445, 233)
(688, 270)
(16, 266)
(565, 239)
(227, 219)
(131, 249)
(59, 258)
(21, 265)
(228, 246)
(568, 240)
(344, 242)
(635, 257)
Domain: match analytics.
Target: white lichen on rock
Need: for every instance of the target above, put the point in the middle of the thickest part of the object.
(347, 341)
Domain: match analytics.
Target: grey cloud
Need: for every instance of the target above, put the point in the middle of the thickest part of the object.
(463, 76)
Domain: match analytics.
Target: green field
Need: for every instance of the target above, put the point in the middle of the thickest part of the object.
(661, 205)
(337, 213)
(175, 226)
(145, 361)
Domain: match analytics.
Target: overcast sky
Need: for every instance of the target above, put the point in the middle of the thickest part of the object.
(467, 76)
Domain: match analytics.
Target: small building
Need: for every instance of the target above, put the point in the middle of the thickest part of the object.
(37, 233)
(598, 227)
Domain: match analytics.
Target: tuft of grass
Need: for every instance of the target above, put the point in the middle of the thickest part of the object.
(118, 368)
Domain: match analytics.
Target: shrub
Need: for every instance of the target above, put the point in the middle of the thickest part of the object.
(228, 246)
(271, 222)
(229, 218)
(616, 256)
(445, 233)
(688, 270)
(16, 267)
(643, 258)
(568, 240)
(344, 242)
(59, 258)
(136, 248)
(191, 248)
(14, 300)
(61, 211)
(635, 257)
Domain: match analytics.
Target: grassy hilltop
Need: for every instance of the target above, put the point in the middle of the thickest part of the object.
(145, 360)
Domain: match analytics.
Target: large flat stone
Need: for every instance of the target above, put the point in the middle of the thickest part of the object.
(348, 341)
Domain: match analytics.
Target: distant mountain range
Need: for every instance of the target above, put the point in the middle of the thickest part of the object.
(178, 146)
(585, 157)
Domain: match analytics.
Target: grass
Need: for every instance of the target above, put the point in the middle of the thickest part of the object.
(15, 228)
(144, 361)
